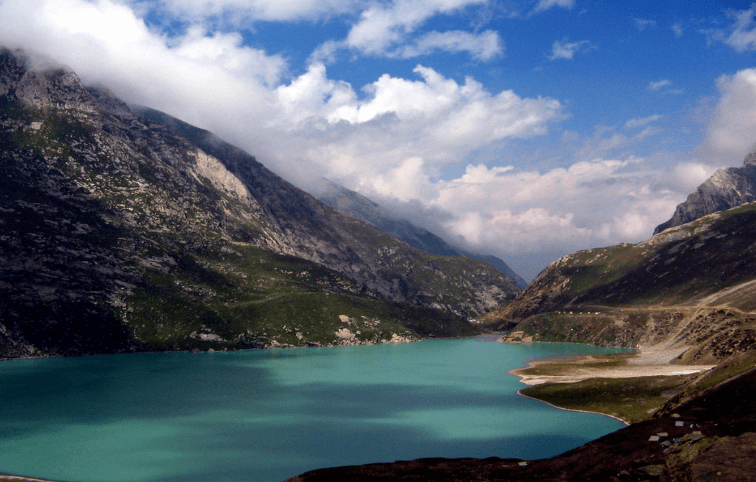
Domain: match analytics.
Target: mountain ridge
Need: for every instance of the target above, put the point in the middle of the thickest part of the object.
(126, 229)
(360, 207)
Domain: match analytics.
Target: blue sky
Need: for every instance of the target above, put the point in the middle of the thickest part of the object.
(527, 129)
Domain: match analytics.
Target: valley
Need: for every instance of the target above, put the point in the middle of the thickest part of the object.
(126, 230)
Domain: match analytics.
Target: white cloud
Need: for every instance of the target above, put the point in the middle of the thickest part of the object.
(227, 52)
(391, 30)
(563, 208)
(382, 27)
(432, 120)
(642, 24)
(659, 84)
(236, 11)
(105, 42)
(564, 49)
(484, 46)
(677, 29)
(544, 5)
(743, 35)
(642, 121)
(732, 131)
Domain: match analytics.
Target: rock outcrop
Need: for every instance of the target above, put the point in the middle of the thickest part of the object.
(726, 189)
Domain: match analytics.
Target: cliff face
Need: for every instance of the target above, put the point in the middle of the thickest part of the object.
(127, 229)
(727, 188)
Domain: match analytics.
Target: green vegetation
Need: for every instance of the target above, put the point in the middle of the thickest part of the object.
(730, 368)
(630, 399)
(551, 367)
(236, 296)
(601, 266)
(578, 327)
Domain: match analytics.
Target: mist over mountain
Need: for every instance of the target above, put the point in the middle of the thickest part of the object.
(360, 207)
(126, 229)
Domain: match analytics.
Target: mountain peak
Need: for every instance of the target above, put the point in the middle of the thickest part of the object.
(725, 189)
(40, 82)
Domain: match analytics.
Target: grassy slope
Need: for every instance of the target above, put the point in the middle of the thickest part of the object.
(250, 297)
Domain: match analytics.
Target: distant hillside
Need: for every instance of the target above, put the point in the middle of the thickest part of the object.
(690, 286)
(126, 229)
(727, 188)
(360, 207)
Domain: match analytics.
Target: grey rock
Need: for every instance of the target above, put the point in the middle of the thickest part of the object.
(726, 189)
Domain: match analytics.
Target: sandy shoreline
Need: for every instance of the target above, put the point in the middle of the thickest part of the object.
(650, 362)
(645, 363)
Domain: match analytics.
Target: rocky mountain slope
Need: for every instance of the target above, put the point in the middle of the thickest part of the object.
(691, 287)
(127, 229)
(360, 207)
(727, 188)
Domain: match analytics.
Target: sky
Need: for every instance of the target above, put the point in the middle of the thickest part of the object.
(526, 129)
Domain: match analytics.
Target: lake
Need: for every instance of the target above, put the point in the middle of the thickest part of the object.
(265, 415)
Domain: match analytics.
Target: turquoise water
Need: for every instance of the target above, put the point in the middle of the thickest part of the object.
(266, 415)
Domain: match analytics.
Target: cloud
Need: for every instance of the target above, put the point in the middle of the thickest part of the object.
(563, 208)
(641, 24)
(239, 11)
(311, 125)
(732, 132)
(655, 86)
(432, 120)
(566, 50)
(544, 5)
(642, 121)
(391, 31)
(227, 52)
(382, 27)
(741, 35)
(677, 29)
(107, 43)
(484, 46)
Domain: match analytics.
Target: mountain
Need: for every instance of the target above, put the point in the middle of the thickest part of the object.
(692, 286)
(360, 207)
(727, 188)
(125, 229)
